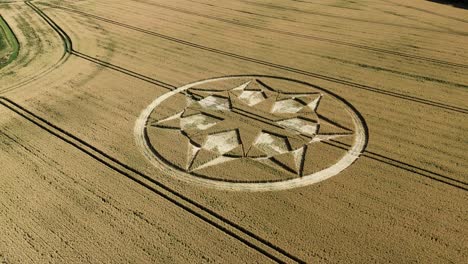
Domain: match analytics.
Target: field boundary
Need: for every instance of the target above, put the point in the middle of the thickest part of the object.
(12, 41)
(66, 53)
(230, 228)
(283, 67)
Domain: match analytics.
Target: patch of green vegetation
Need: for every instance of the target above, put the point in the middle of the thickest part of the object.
(9, 46)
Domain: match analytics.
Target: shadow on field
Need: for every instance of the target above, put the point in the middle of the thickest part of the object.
(455, 3)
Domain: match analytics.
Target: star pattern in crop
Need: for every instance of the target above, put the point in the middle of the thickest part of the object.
(254, 121)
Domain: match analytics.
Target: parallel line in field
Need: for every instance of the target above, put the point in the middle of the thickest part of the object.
(430, 12)
(405, 166)
(372, 155)
(328, 40)
(412, 18)
(401, 74)
(376, 156)
(230, 228)
(283, 67)
(66, 53)
(458, 33)
(68, 46)
(123, 70)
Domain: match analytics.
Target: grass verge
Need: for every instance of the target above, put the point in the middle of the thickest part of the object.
(9, 46)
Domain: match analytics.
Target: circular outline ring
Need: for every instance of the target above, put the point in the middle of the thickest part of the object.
(349, 158)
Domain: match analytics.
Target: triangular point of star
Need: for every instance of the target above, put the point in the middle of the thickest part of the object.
(296, 142)
(198, 94)
(303, 98)
(299, 159)
(203, 156)
(326, 127)
(242, 86)
(247, 139)
(235, 93)
(192, 151)
(255, 152)
(269, 94)
(282, 96)
(306, 110)
(287, 161)
(264, 86)
(218, 160)
(235, 101)
(255, 86)
(307, 99)
(190, 111)
(319, 138)
(236, 152)
(266, 105)
(222, 126)
(346, 140)
(176, 116)
(196, 139)
(172, 123)
(309, 117)
(315, 103)
(251, 98)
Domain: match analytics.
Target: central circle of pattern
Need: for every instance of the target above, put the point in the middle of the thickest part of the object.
(236, 131)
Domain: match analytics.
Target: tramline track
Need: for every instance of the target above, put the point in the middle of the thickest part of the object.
(283, 67)
(374, 156)
(232, 229)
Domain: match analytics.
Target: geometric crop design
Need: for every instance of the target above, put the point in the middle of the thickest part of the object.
(247, 123)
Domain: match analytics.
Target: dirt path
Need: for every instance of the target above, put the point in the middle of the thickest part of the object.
(78, 188)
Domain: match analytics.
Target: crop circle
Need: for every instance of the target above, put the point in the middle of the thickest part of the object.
(251, 133)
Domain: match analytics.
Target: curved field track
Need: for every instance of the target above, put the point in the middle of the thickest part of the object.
(41, 48)
(9, 46)
(77, 187)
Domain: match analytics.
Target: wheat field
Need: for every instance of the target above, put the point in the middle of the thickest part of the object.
(203, 131)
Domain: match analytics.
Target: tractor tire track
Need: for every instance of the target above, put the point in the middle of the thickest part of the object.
(405, 166)
(404, 74)
(457, 33)
(68, 46)
(69, 50)
(66, 54)
(123, 70)
(212, 218)
(372, 155)
(429, 12)
(321, 39)
(283, 67)
(375, 156)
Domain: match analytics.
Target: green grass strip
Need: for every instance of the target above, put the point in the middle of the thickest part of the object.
(7, 38)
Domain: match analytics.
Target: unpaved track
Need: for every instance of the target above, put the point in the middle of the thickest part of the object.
(418, 75)
(87, 212)
(404, 200)
(40, 52)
